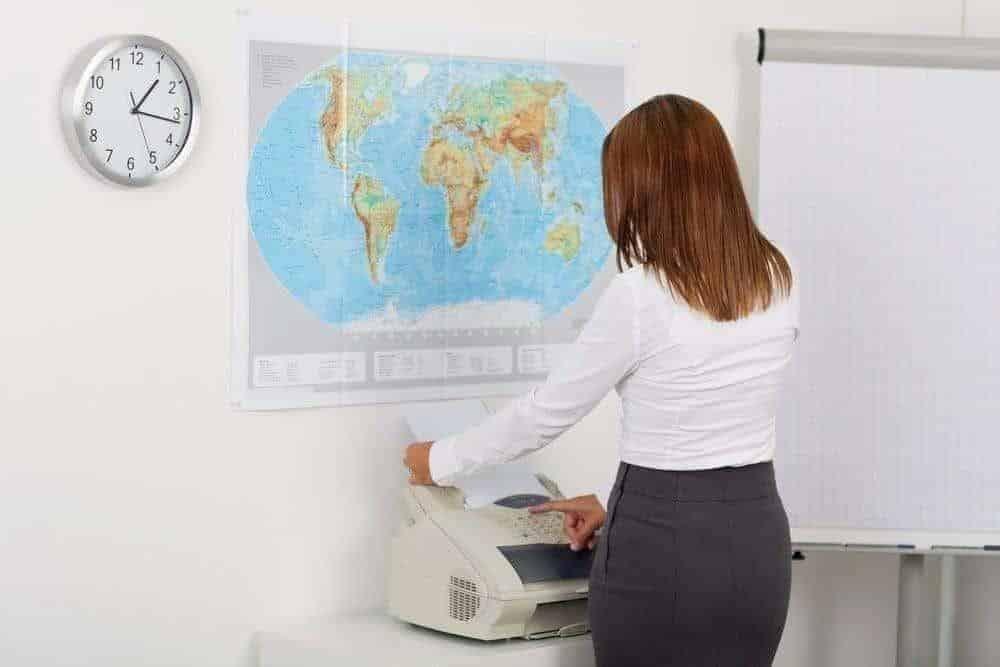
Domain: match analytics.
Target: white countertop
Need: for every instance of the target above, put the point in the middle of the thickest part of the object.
(378, 640)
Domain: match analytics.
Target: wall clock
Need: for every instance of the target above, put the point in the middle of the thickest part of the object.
(130, 109)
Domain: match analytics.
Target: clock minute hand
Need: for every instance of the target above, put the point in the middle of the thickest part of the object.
(135, 109)
(153, 115)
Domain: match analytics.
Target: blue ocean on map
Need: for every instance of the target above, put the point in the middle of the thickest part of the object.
(537, 233)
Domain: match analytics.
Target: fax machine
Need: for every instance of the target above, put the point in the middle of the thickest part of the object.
(494, 572)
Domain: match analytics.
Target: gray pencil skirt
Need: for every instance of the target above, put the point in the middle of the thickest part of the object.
(693, 569)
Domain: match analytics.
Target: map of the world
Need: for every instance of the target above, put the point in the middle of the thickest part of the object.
(386, 187)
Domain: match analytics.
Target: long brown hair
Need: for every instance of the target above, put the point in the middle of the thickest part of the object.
(674, 204)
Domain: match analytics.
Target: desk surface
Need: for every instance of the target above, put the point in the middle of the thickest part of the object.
(376, 639)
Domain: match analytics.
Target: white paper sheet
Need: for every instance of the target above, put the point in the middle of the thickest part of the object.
(436, 420)
(433, 421)
(510, 479)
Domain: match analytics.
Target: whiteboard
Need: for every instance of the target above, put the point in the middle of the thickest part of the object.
(883, 185)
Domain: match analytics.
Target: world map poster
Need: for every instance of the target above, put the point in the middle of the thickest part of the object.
(419, 219)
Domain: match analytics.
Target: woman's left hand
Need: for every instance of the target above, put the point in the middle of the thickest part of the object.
(418, 461)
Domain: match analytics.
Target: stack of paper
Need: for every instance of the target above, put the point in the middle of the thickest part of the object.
(434, 421)
(510, 479)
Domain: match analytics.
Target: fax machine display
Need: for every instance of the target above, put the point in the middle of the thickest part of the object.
(522, 501)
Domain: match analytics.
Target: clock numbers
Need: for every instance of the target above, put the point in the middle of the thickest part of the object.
(116, 64)
(88, 108)
(93, 136)
(110, 152)
(137, 57)
(97, 82)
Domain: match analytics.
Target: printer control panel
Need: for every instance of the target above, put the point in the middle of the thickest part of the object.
(546, 528)
(521, 527)
(512, 512)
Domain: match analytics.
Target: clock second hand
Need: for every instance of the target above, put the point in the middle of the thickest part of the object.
(138, 118)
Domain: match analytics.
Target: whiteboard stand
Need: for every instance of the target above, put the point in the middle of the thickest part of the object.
(911, 635)
(946, 616)
(925, 626)
(928, 595)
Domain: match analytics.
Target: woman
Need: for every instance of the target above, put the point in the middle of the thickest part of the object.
(693, 565)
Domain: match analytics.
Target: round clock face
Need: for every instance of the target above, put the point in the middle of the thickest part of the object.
(132, 110)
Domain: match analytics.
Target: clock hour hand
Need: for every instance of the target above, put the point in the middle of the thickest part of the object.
(135, 109)
(153, 115)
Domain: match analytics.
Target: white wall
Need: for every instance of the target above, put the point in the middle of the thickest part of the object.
(142, 521)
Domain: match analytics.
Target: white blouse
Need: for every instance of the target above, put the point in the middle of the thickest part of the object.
(695, 393)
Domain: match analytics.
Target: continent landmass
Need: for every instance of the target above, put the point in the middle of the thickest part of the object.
(563, 239)
(357, 101)
(378, 212)
(446, 164)
(512, 117)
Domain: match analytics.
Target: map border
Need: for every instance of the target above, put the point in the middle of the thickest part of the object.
(359, 35)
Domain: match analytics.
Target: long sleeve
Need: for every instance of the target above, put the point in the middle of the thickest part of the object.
(604, 353)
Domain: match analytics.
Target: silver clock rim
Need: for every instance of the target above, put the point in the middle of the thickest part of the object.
(74, 90)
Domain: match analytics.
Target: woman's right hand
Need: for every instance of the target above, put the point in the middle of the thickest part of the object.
(582, 516)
